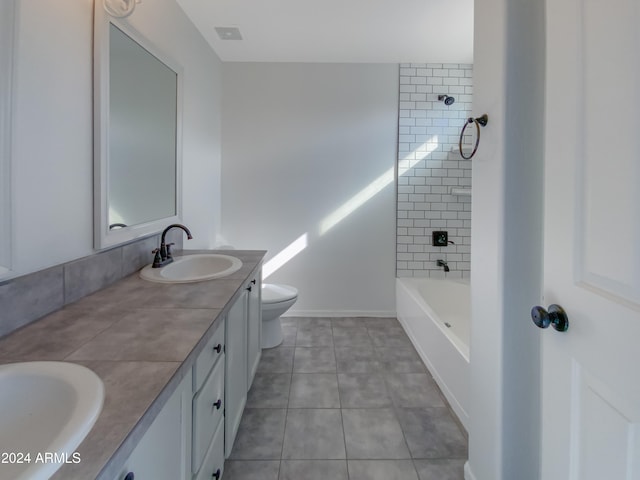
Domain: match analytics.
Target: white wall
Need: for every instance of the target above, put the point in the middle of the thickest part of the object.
(52, 176)
(506, 276)
(301, 143)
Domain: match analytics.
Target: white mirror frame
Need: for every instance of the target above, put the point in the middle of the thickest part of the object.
(103, 237)
(7, 26)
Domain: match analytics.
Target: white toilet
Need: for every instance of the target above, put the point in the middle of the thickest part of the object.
(276, 299)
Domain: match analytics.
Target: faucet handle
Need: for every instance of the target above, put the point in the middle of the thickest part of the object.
(169, 250)
(157, 259)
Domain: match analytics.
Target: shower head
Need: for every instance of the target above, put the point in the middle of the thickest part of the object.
(447, 99)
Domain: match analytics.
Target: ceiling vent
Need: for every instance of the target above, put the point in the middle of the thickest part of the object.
(228, 33)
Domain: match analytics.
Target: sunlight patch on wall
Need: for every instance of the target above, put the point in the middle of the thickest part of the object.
(285, 255)
(377, 185)
(356, 201)
(417, 154)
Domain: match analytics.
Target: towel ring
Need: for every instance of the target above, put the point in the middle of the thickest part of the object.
(480, 121)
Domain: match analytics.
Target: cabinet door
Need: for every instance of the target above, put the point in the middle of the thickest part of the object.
(164, 452)
(213, 465)
(254, 327)
(208, 408)
(235, 369)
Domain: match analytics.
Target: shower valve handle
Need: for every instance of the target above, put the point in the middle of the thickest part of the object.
(556, 316)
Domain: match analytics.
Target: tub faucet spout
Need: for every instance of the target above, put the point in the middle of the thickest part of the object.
(442, 263)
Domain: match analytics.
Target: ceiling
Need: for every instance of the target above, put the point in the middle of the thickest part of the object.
(354, 31)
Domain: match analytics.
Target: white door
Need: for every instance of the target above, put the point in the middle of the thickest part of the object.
(591, 372)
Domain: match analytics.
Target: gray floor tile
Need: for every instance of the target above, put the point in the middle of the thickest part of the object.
(260, 435)
(289, 336)
(314, 360)
(314, 470)
(313, 322)
(393, 424)
(432, 433)
(357, 360)
(363, 390)
(251, 469)
(289, 321)
(413, 390)
(382, 470)
(389, 337)
(351, 337)
(373, 434)
(348, 322)
(314, 390)
(314, 337)
(276, 360)
(382, 322)
(440, 469)
(313, 434)
(269, 390)
(400, 360)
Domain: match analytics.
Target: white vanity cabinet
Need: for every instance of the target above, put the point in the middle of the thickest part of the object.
(254, 327)
(207, 454)
(244, 336)
(194, 433)
(164, 452)
(236, 369)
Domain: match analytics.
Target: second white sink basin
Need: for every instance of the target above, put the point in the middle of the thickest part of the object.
(193, 268)
(46, 408)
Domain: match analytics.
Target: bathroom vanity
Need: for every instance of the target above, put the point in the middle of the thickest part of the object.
(176, 360)
(195, 430)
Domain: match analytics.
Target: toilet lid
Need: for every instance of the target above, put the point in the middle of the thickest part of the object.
(273, 293)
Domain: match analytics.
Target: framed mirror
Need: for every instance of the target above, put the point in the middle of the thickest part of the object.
(137, 133)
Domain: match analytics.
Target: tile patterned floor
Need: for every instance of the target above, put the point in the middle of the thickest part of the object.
(345, 399)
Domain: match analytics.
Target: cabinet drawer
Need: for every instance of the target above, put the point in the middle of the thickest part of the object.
(214, 460)
(213, 350)
(208, 409)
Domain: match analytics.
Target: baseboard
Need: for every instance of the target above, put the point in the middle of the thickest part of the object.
(468, 474)
(340, 313)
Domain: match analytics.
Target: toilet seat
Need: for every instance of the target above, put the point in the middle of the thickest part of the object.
(272, 293)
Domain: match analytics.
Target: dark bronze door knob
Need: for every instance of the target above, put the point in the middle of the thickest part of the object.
(556, 316)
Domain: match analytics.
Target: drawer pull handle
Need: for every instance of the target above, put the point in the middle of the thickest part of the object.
(129, 476)
(216, 475)
(218, 404)
(218, 348)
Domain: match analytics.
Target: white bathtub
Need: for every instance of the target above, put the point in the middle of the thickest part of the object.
(436, 316)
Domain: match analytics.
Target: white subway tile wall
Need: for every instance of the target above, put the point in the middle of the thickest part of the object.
(430, 166)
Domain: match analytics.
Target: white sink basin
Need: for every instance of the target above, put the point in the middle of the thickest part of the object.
(45, 407)
(193, 268)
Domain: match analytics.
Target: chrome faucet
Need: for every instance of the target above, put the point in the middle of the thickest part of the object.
(163, 254)
(442, 263)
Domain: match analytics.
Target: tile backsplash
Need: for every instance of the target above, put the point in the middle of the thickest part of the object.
(434, 181)
(30, 297)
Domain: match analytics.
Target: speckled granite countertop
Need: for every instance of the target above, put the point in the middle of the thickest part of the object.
(140, 338)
